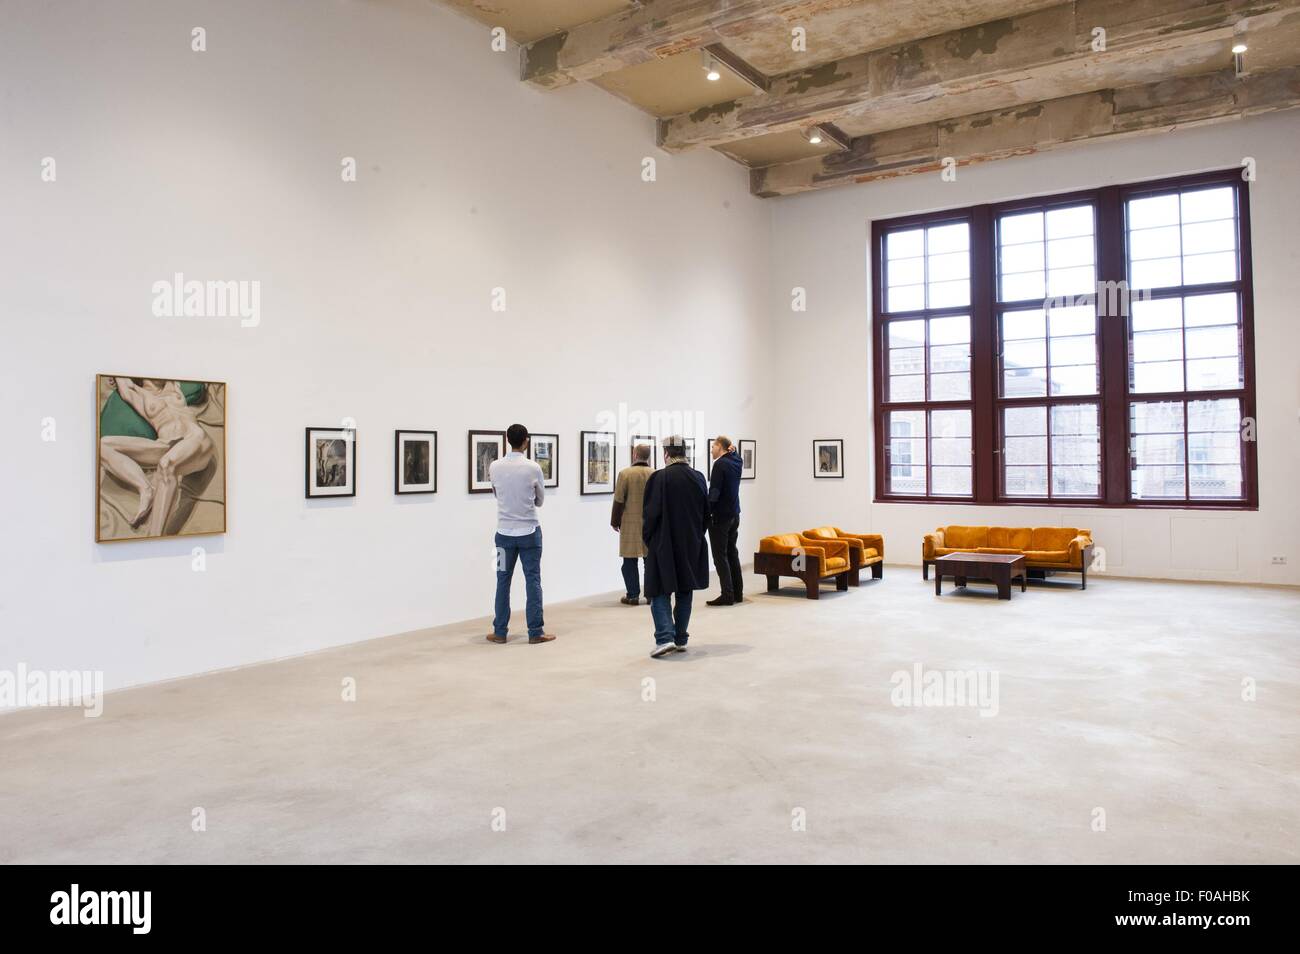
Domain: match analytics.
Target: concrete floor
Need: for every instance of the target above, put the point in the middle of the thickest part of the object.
(781, 705)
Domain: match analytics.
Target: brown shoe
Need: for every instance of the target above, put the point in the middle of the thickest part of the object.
(630, 601)
(544, 638)
(494, 638)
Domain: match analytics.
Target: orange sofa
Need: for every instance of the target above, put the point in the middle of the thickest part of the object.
(870, 546)
(1055, 549)
(810, 559)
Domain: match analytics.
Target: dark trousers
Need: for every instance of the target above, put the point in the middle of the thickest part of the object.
(631, 577)
(528, 551)
(726, 558)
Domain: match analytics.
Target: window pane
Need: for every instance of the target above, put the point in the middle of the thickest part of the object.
(1080, 379)
(1063, 223)
(1076, 451)
(1158, 273)
(1021, 227)
(1078, 320)
(907, 271)
(949, 387)
(949, 294)
(1158, 451)
(1200, 310)
(906, 452)
(1155, 313)
(947, 238)
(909, 244)
(1153, 211)
(907, 387)
(1145, 244)
(1204, 204)
(905, 298)
(949, 266)
(1221, 414)
(950, 451)
(906, 334)
(1215, 267)
(949, 330)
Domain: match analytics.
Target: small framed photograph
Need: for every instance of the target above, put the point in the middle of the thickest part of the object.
(544, 449)
(484, 448)
(748, 460)
(636, 439)
(331, 464)
(828, 457)
(415, 462)
(597, 466)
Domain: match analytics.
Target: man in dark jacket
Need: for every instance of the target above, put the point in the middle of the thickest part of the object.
(724, 521)
(674, 514)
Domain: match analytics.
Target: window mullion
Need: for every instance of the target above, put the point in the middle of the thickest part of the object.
(983, 338)
(1113, 348)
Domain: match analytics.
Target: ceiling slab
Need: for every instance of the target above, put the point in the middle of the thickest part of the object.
(529, 20)
(675, 84)
(778, 147)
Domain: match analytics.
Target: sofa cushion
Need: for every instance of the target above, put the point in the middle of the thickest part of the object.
(1052, 538)
(869, 553)
(1010, 538)
(1007, 550)
(822, 533)
(1047, 556)
(835, 565)
(965, 537)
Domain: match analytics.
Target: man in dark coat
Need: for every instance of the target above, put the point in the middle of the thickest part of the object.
(724, 521)
(675, 512)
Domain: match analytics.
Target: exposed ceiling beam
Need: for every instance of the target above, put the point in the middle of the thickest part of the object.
(647, 32)
(1024, 130)
(738, 66)
(1037, 56)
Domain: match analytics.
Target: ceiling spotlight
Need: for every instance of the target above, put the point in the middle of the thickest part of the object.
(1239, 58)
(711, 71)
(814, 135)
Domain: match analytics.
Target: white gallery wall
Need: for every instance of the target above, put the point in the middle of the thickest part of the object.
(375, 306)
(820, 242)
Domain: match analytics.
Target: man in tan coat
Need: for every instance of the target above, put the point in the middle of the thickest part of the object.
(629, 493)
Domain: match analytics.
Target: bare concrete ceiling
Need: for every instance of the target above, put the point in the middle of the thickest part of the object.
(893, 80)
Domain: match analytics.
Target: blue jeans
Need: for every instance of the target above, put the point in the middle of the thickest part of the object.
(631, 577)
(528, 550)
(670, 623)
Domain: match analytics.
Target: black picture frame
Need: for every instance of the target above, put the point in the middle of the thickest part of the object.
(397, 460)
(612, 440)
(817, 442)
(554, 439)
(469, 469)
(309, 462)
(753, 450)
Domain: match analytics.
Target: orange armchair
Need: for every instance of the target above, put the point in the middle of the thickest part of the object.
(870, 547)
(809, 559)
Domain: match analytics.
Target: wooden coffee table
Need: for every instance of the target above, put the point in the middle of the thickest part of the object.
(997, 568)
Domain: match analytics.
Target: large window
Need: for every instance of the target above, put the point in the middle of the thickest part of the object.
(1091, 348)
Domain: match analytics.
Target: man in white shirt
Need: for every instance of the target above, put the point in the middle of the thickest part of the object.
(518, 485)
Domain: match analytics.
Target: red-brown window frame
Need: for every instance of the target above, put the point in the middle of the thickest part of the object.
(1112, 347)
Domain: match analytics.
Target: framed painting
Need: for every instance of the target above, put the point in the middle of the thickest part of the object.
(484, 448)
(597, 465)
(544, 449)
(636, 439)
(828, 457)
(415, 462)
(748, 459)
(331, 462)
(160, 449)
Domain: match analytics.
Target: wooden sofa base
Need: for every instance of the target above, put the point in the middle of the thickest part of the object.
(776, 565)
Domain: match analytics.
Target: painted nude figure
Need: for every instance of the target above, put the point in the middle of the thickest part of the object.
(182, 447)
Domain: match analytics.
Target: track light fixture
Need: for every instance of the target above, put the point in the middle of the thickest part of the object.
(711, 71)
(813, 134)
(1239, 57)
